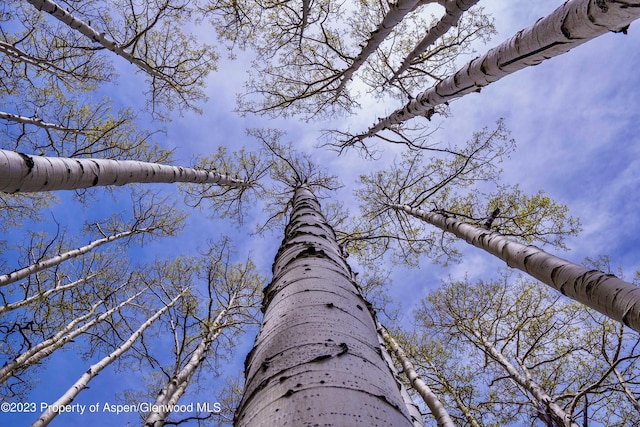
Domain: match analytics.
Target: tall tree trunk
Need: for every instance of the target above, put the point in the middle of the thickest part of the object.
(43, 349)
(605, 293)
(548, 411)
(27, 271)
(454, 11)
(62, 15)
(175, 387)
(50, 413)
(468, 415)
(437, 409)
(397, 12)
(24, 173)
(317, 359)
(572, 24)
(40, 295)
(36, 121)
(414, 411)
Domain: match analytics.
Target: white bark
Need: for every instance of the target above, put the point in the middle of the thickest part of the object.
(456, 396)
(414, 412)
(543, 399)
(174, 389)
(41, 295)
(48, 346)
(23, 56)
(316, 359)
(605, 293)
(21, 273)
(35, 121)
(61, 14)
(49, 414)
(437, 408)
(627, 391)
(397, 11)
(572, 24)
(454, 9)
(23, 173)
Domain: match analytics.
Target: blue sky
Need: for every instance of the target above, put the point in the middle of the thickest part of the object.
(575, 119)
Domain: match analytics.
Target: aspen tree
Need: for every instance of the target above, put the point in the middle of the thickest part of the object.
(150, 217)
(33, 56)
(572, 24)
(64, 336)
(318, 340)
(531, 352)
(24, 173)
(453, 12)
(428, 63)
(603, 292)
(59, 287)
(65, 125)
(437, 409)
(395, 14)
(153, 40)
(206, 322)
(50, 413)
(21, 273)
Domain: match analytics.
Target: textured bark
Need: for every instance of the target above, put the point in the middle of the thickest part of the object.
(21, 273)
(603, 292)
(437, 409)
(174, 389)
(397, 11)
(317, 359)
(66, 335)
(61, 14)
(49, 414)
(572, 24)
(23, 173)
(454, 9)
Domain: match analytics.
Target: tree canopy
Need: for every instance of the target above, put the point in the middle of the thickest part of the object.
(374, 106)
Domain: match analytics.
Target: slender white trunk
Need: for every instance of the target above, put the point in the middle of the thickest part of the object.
(61, 14)
(627, 391)
(35, 121)
(316, 359)
(23, 56)
(48, 346)
(603, 292)
(397, 11)
(545, 402)
(50, 413)
(454, 9)
(44, 294)
(23, 173)
(456, 396)
(437, 409)
(572, 24)
(21, 273)
(175, 387)
(414, 412)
